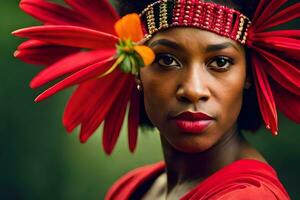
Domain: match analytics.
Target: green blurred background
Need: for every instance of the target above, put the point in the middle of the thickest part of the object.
(39, 160)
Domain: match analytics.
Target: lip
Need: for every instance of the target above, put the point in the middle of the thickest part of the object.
(192, 122)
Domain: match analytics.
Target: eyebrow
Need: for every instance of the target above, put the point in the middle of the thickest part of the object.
(218, 47)
(167, 43)
(209, 48)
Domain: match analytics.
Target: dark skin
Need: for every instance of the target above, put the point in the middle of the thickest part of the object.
(195, 71)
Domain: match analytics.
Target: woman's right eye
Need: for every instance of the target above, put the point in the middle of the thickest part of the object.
(166, 60)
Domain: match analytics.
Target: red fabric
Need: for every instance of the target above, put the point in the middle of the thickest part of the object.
(245, 179)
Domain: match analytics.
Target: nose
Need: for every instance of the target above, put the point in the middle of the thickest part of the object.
(193, 86)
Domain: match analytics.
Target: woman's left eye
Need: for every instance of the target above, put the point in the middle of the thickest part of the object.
(221, 63)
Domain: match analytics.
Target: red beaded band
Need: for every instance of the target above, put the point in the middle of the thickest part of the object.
(216, 18)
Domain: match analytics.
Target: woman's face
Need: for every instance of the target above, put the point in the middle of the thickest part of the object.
(193, 90)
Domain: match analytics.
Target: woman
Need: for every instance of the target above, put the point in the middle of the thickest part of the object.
(198, 91)
(193, 94)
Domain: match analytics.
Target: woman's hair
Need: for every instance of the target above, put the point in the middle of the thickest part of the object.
(249, 118)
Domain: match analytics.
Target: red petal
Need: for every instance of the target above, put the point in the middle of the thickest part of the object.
(286, 15)
(87, 98)
(76, 105)
(265, 96)
(265, 10)
(133, 119)
(70, 64)
(98, 112)
(283, 42)
(286, 46)
(259, 9)
(51, 13)
(78, 77)
(115, 118)
(100, 13)
(41, 53)
(283, 72)
(287, 103)
(70, 36)
(279, 33)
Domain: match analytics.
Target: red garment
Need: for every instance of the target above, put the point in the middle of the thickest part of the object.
(246, 179)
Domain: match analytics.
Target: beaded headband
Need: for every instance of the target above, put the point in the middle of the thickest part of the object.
(213, 17)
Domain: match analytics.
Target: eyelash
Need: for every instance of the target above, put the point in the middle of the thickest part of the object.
(159, 57)
(228, 62)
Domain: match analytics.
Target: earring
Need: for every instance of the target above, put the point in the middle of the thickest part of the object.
(139, 87)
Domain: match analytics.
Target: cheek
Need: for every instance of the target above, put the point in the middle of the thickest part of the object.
(151, 99)
(158, 95)
(230, 96)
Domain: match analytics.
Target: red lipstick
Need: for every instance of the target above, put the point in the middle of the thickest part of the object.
(192, 122)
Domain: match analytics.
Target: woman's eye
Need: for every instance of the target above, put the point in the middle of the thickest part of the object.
(221, 63)
(166, 60)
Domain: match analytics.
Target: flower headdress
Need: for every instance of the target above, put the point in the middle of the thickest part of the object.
(88, 45)
(76, 44)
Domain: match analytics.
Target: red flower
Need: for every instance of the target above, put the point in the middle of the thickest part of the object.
(77, 43)
(275, 59)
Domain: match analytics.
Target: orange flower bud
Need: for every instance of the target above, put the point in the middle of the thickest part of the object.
(146, 53)
(129, 27)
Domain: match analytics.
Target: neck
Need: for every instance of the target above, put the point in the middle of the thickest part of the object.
(191, 168)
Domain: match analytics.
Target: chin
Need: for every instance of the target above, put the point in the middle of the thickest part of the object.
(192, 144)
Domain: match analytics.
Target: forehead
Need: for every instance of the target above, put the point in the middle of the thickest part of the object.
(191, 38)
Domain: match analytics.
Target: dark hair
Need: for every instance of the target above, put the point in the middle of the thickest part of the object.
(249, 118)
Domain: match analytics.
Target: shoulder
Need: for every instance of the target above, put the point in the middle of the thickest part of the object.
(250, 191)
(243, 180)
(253, 192)
(127, 184)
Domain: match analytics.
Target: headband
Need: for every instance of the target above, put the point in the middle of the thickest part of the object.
(209, 16)
(90, 46)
